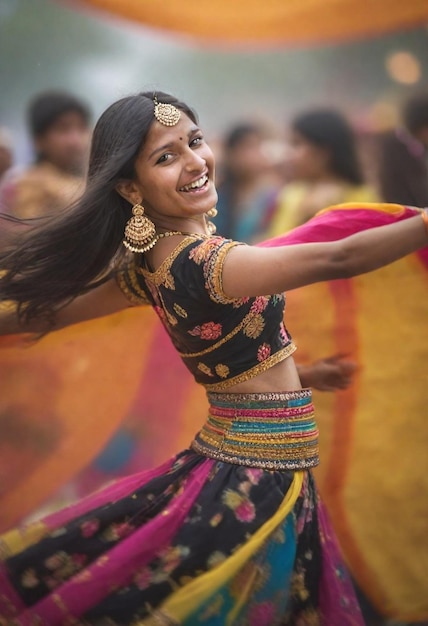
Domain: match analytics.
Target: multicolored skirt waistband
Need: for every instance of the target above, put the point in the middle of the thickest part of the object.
(267, 430)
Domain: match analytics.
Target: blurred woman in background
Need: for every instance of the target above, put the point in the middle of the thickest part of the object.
(248, 183)
(322, 167)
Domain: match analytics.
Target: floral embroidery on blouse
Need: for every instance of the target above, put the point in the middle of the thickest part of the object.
(254, 327)
(222, 370)
(205, 369)
(179, 310)
(283, 334)
(209, 331)
(259, 304)
(237, 338)
(263, 352)
(199, 254)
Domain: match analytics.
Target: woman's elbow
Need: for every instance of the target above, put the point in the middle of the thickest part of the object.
(346, 262)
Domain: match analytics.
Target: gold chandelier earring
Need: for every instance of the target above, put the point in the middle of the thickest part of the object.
(140, 232)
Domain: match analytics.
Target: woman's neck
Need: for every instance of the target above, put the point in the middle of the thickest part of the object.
(196, 225)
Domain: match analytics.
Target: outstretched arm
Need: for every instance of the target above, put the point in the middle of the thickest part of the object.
(104, 300)
(252, 271)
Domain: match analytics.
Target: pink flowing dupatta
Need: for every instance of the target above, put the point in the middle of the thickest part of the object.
(136, 390)
(374, 436)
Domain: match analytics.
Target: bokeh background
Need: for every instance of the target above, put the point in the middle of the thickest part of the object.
(363, 58)
(100, 57)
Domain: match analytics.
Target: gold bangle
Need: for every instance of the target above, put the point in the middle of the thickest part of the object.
(424, 214)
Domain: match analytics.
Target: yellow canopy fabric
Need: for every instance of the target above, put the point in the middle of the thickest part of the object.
(272, 21)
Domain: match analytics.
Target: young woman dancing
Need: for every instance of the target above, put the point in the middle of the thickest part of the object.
(231, 530)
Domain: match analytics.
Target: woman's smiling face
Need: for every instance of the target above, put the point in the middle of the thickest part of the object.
(175, 171)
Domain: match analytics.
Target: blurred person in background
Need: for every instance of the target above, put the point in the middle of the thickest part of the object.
(403, 159)
(6, 152)
(248, 183)
(322, 167)
(59, 126)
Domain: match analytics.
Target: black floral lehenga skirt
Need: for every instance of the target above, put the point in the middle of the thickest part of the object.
(228, 532)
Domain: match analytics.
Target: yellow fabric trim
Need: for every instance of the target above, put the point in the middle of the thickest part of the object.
(392, 209)
(16, 540)
(184, 601)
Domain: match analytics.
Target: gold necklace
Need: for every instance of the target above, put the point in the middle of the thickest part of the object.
(171, 233)
(210, 225)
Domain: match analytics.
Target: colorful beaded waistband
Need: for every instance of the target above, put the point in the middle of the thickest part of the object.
(266, 430)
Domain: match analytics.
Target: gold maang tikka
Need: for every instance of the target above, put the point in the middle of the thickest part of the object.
(166, 114)
(140, 232)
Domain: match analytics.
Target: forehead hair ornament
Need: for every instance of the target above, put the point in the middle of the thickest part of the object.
(166, 114)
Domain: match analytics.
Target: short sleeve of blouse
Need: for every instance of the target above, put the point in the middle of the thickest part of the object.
(210, 255)
(131, 283)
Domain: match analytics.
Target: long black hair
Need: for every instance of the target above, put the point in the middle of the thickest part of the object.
(328, 129)
(72, 252)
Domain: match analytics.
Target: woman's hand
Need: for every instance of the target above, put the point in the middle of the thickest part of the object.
(329, 374)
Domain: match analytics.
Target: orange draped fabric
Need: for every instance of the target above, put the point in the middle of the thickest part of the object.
(61, 399)
(373, 474)
(271, 22)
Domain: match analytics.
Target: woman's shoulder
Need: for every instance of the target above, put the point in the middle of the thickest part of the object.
(195, 248)
(195, 268)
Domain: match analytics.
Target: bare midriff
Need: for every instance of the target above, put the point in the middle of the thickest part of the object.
(280, 377)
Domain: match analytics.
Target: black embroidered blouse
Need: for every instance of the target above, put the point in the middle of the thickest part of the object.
(222, 341)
